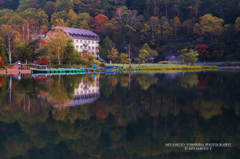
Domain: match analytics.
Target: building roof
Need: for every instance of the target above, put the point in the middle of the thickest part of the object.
(76, 33)
(18, 63)
(100, 59)
(82, 99)
(173, 58)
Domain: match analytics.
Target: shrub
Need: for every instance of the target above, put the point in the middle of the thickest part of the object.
(43, 62)
(168, 62)
(80, 61)
(102, 64)
(1, 64)
(65, 66)
(2, 79)
(96, 62)
(90, 64)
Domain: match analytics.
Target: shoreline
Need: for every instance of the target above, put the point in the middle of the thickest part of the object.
(144, 69)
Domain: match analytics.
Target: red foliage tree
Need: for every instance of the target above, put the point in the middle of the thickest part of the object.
(98, 22)
(100, 110)
(203, 82)
(42, 43)
(2, 79)
(85, 56)
(203, 51)
(1, 62)
(43, 62)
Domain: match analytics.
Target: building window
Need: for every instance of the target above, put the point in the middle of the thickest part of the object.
(81, 47)
(85, 47)
(80, 41)
(76, 46)
(93, 53)
(97, 42)
(81, 92)
(93, 47)
(85, 91)
(88, 47)
(76, 41)
(89, 91)
(92, 42)
(77, 92)
(89, 42)
(93, 91)
(85, 41)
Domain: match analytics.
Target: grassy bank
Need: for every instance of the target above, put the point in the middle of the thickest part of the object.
(165, 67)
(66, 66)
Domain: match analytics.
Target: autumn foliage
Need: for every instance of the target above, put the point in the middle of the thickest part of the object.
(1, 81)
(203, 51)
(1, 62)
(43, 62)
(85, 56)
(98, 22)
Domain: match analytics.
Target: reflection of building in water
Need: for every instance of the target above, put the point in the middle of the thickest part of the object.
(87, 92)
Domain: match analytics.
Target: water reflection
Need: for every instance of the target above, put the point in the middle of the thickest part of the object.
(133, 116)
(87, 92)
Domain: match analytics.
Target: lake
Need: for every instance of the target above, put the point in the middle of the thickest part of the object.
(120, 116)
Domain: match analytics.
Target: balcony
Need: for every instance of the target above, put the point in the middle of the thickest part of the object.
(86, 50)
(85, 44)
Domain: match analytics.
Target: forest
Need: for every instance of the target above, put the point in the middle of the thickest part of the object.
(134, 116)
(167, 26)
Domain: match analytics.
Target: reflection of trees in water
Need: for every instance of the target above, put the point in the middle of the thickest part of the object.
(189, 80)
(146, 81)
(126, 122)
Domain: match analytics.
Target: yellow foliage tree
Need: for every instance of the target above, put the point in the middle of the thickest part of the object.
(237, 24)
(176, 24)
(153, 23)
(57, 40)
(189, 55)
(112, 54)
(211, 26)
(11, 33)
(124, 58)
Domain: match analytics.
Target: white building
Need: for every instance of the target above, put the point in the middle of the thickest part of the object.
(85, 41)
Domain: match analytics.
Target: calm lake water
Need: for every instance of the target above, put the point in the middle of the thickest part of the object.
(119, 116)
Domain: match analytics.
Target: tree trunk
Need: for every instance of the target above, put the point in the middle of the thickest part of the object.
(166, 8)
(10, 91)
(28, 30)
(154, 9)
(59, 62)
(211, 36)
(152, 32)
(129, 54)
(175, 31)
(9, 50)
(147, 11)
(196, 13)
(177, 10)
(23, 32)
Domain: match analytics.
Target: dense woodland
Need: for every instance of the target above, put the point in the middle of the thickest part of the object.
(167, 26)
(134, 116)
